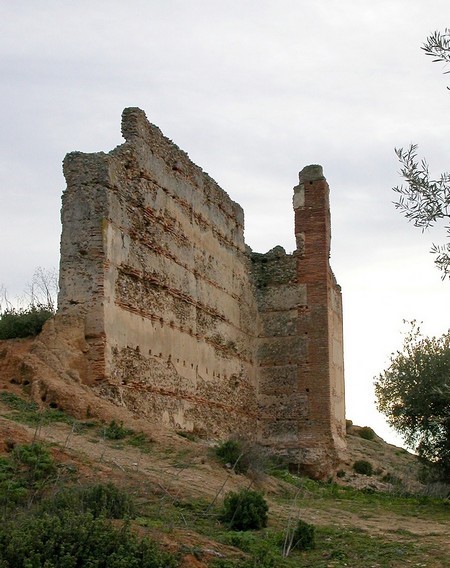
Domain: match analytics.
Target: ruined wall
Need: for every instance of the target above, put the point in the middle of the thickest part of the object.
(153, 250)
(280, 348)
(183, 323)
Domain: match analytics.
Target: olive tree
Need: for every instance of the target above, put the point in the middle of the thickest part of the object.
(414, 395)
(422, 199)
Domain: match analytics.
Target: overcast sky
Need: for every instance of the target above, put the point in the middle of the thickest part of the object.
(253, 90)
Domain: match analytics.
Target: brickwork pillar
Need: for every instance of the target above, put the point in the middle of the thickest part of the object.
(320, 374)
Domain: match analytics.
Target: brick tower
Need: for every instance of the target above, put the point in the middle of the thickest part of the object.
(321, 428)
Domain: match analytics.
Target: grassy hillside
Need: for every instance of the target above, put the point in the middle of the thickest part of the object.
(178, 486)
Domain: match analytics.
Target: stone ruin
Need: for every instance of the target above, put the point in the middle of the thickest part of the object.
(184, 324)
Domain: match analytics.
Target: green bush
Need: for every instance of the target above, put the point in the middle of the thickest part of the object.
(116, 431)
(363, 467)
(24, 474)
(33, 463)
(231, 452)
(102, 500)
(24, 322)
(366, 433)
(304, 536)
(69, 540)
(12, 490)
(245, 510)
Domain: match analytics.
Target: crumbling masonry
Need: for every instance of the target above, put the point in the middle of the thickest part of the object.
(185, 325)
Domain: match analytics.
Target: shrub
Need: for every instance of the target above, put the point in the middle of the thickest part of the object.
(263, 556)
(71, 539)
(245, 510)
(33, 463)
(304, 536)
(24, 322)
(300, 537)
(363, 467)
(24, 474)
(101, 500)
(116, 431)
(366, 433)
(230, 452)
(12, 490)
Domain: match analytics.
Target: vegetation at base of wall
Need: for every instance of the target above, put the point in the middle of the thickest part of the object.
(363, 467)
(24, 322)
(335, 545)
(430, 503)
(366, 433)
(38, 490)
(245, 510)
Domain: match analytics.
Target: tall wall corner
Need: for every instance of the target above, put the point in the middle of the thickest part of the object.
(321, 372)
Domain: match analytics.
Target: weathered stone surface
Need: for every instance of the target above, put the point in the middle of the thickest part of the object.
(183, 323)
